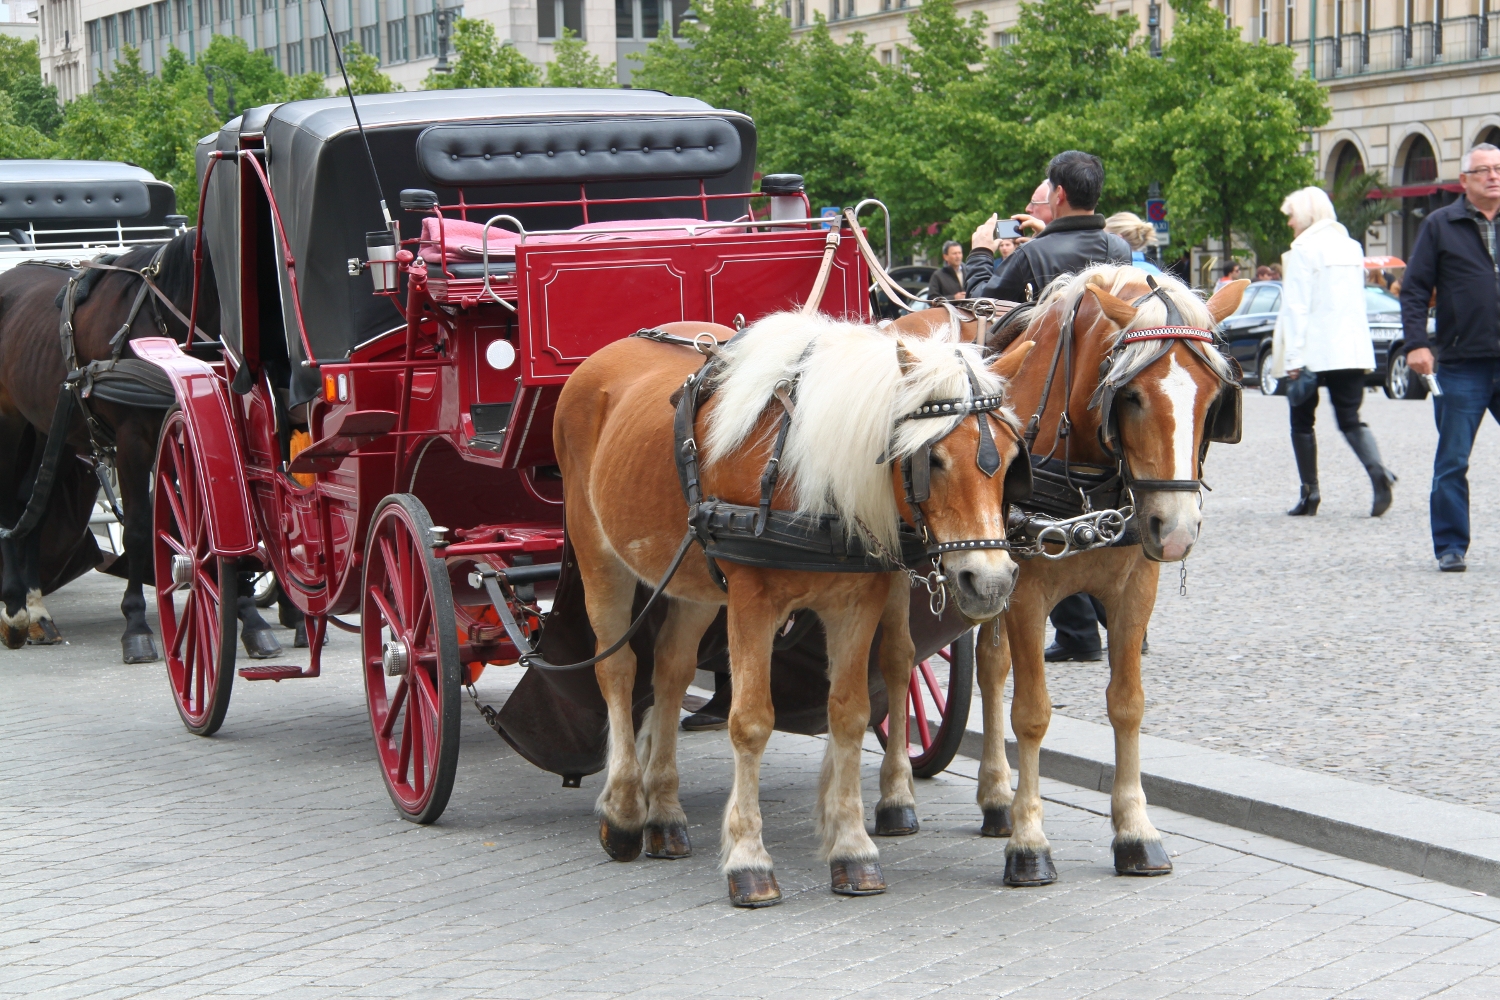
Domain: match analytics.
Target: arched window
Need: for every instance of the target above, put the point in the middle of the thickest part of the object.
(1346, 162)
(1419, 168)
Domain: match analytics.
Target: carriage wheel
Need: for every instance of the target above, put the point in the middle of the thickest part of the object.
(935, 718)
(195, 590)
(409, 642)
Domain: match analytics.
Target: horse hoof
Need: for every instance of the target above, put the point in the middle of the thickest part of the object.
(299, 637)
(261, 643)
(14, 636)
(1025, 867)
(620, 845)
(1142, 857)
(896, 821)
(996, 822)
(139, 648)
(669, 842)
(857, 878)
(753, 889)
(43, 633)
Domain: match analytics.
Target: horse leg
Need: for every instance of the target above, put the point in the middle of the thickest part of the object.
(853, 859)
(753, 619)
(656, 746)
(621, 807)
(896, 812)
(992, 664)
(15, 619)
(42, 631)
(1138, 848)
(258, 636)
(1028, 855)
(135, 456)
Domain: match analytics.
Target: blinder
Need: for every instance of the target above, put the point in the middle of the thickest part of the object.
(1226, 417)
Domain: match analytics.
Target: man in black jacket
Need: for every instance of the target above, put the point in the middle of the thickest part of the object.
(1074, 239)
(1458, 253)
(948, 281)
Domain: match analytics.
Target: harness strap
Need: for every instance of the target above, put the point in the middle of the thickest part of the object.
(41, 489)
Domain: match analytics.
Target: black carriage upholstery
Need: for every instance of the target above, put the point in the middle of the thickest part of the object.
(329, 201)
(580, 151)
(81, 194)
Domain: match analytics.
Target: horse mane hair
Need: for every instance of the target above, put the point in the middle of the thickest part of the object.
(1065, 291)
(850, 393)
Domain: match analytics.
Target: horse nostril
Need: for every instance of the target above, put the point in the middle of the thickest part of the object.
(1154, 522)
(967, 583)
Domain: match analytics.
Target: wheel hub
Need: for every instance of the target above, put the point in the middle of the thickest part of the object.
(395, 658)
(182, 570)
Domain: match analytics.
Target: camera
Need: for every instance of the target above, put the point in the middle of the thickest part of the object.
(1007, 229)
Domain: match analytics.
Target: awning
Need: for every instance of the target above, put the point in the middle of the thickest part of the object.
(1418, 190)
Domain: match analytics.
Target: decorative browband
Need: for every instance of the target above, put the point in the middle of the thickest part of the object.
(954, 407)
(1166, 333)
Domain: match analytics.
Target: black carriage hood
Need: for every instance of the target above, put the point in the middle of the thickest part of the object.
(497, 145)
(58, 193)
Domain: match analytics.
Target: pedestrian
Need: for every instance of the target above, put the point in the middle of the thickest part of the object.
(1457, 255)
(948, 281)
(1072, 236)
(1275, 272)
(1137, 232)
(1322, 338)
(1263, 273)
(1005, 248)
(1231, 273)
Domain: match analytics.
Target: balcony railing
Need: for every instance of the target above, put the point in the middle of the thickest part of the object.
(1454, 40)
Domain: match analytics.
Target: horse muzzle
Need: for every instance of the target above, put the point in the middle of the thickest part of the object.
(982, 582)
(1169, 525)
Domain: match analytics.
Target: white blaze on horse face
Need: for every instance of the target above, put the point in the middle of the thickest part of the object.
(1182, 390)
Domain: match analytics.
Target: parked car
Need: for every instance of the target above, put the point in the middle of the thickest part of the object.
(1250, 328)
(912, 278)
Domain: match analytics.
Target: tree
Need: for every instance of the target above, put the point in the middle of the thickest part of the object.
(19, 140)
(482, 61)
(364, 73)
(573, 65)
(734, 57)
(32, 103)
(1359, 200)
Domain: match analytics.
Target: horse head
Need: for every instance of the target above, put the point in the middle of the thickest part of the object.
(1162, 385)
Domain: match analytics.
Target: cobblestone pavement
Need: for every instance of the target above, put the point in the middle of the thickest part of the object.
(1329, 642)
(137, 860)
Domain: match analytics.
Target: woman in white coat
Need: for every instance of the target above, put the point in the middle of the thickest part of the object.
(1323, 328)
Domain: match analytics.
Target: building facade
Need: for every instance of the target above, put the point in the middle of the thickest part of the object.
(1411, 83)
(82, 39)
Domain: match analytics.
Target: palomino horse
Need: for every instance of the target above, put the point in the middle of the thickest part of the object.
(1165, 383)
(849, 446)
(32, 369)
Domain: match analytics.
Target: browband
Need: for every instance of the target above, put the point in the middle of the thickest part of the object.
(954, 407)
(1165, 333)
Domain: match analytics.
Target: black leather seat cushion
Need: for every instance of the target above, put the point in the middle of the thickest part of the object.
(473, 269)
(57, 201)
(582, 151)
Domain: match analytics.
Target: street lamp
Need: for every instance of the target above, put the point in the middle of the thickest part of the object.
(444, 18)
(1153, 25)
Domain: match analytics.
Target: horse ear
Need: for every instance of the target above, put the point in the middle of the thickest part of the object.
(905, 358)
(1120, 312)
(1227, 299)
(1007, 364)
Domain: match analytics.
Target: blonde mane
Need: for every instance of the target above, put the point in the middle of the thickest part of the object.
(1067, 289)
(850, 393)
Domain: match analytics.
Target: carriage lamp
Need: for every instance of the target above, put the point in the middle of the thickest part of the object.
(788, 204)
(382, 247)
(500, 354)
(335, 387)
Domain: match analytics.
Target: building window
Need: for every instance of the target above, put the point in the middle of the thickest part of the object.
(801, 12)
(144, 17)
(426, 35)
(885, 57)
(1289, 22)
(1263, 22)
(127, 27)
(396, 48)
(369, 40)
(111, 33)
(317, 54)
(1004, 39)
(554, 15)
(92, 31)
(163, 19)
(296, 64)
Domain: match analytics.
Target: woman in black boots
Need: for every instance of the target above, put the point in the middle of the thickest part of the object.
(1323, 339)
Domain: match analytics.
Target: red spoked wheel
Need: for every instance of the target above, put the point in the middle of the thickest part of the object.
(937, 712)
(195, 590)
(409, 643)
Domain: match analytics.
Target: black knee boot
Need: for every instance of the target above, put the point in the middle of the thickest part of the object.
(1381, 478)
(1305, 447)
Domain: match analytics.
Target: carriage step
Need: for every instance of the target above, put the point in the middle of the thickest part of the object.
(271, 673)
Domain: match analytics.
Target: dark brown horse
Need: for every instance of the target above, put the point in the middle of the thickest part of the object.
(32, 370)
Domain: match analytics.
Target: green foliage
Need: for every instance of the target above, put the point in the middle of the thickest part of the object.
(1356, 197)
(364, 73)
(573, 65)
(735, 56)
(482, 61)
(31, 102)
(18, 59)
(19, 140)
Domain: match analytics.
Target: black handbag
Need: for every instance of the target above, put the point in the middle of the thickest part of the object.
(1302, 388)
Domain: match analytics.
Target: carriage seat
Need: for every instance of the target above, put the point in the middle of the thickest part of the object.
(472, 269)
(459, 245)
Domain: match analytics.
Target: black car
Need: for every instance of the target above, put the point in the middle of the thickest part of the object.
(1250, 328)
(912, 278)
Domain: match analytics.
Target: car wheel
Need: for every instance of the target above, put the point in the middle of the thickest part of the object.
(1270, 385)
(1401, 382)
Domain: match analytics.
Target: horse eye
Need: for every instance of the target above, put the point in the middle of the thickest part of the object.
(937, 461)
(1132, 397)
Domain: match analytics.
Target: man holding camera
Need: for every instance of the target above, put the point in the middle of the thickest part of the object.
(1071, 241)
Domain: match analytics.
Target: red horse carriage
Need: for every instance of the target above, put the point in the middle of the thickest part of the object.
(376, 447)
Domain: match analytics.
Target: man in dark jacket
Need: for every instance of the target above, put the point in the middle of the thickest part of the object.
(948, 281)
(1074, 239)
(1070, 242)
(1457, 254)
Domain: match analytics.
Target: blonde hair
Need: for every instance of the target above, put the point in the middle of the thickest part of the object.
(1132, 229)
(1307, 206)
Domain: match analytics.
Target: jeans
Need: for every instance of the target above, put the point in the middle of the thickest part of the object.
(1469, 388)
(1346, 390)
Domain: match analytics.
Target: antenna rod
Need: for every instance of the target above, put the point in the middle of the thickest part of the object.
(339, 55)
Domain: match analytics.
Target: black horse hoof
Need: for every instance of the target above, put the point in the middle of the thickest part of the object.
(14, 636)
(896, 821)
(43, 633)
(669, 842)
(261, 643)
(996, 822)
(1025, 867)
(857, 878)
(753, 889)
(620, 845)
(1142, 857)
(139, 648)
